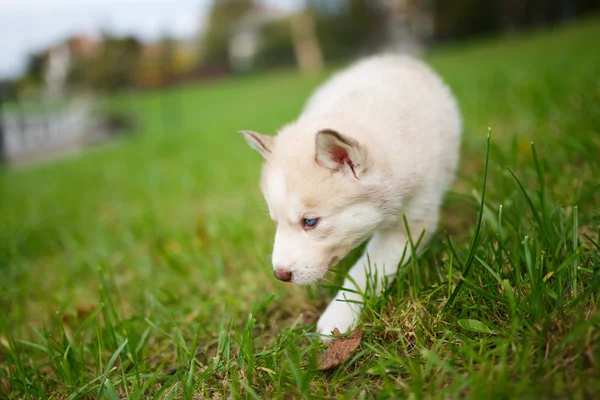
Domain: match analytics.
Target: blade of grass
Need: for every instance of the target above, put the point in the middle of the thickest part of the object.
(575, 241)
(536, 215)
(111, 362)
(475, 241)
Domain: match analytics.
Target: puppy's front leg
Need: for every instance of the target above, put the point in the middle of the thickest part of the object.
(384, 252)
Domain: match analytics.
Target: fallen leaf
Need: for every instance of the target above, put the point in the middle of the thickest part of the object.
(340, 349)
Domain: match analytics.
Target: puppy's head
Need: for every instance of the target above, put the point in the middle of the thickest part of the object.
(320, 193)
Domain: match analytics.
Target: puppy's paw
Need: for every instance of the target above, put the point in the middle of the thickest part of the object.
(338, 315)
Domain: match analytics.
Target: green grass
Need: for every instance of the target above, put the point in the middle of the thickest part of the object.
(141, 269)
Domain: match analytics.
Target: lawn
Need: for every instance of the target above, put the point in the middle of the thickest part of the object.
(141, 268)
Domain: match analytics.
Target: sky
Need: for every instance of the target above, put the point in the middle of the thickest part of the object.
(27, 26)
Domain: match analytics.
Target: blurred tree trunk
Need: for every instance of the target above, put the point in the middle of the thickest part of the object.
(309, 56)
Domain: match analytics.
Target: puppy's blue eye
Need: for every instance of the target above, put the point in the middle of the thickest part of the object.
(310, 222)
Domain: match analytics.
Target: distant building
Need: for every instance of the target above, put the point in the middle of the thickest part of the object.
(59, 58)
(56, 69)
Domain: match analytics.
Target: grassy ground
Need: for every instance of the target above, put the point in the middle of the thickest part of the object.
(141, 269)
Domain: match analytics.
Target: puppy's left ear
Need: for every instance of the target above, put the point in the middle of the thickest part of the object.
(338, 153)
(261, 143)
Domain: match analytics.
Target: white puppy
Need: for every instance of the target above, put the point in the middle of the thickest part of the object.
(378, 141)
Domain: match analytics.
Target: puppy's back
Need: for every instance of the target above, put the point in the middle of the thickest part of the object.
(400, 103)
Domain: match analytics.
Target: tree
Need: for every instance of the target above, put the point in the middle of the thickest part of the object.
(111, 68)
(309, 56)
(468, 18)
(222, 17)
(347, 28)
(34, 71)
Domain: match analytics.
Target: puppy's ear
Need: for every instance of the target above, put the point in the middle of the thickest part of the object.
(261, 143)
(338, 152)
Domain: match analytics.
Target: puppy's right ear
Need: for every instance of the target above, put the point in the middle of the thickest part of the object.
(261, 143)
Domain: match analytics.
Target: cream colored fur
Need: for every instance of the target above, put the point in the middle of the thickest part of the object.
(377, 141)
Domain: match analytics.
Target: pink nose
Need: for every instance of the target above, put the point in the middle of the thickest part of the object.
(283, 274)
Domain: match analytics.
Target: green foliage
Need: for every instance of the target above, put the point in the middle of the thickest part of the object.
(35, 68)
(33, 77)
(112, 68)
(276, 47)
(348, 28)
(469, 18)
(141, 269)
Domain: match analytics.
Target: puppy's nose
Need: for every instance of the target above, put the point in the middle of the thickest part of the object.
(283, 274)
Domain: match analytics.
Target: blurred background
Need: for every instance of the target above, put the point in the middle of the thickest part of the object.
(61, 59)
(128, 199)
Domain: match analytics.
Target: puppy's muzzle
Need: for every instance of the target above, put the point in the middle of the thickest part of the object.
(283, 274)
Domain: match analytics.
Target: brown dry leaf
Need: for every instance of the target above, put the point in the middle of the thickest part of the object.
(340, 349)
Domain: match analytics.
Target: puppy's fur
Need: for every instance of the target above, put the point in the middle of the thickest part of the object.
(377, 141)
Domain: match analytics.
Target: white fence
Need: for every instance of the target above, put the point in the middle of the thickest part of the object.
(34, 131)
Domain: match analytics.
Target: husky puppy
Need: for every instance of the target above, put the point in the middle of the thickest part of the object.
(378, 141)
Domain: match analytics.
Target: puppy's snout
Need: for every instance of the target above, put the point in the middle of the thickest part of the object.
(283, 274)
